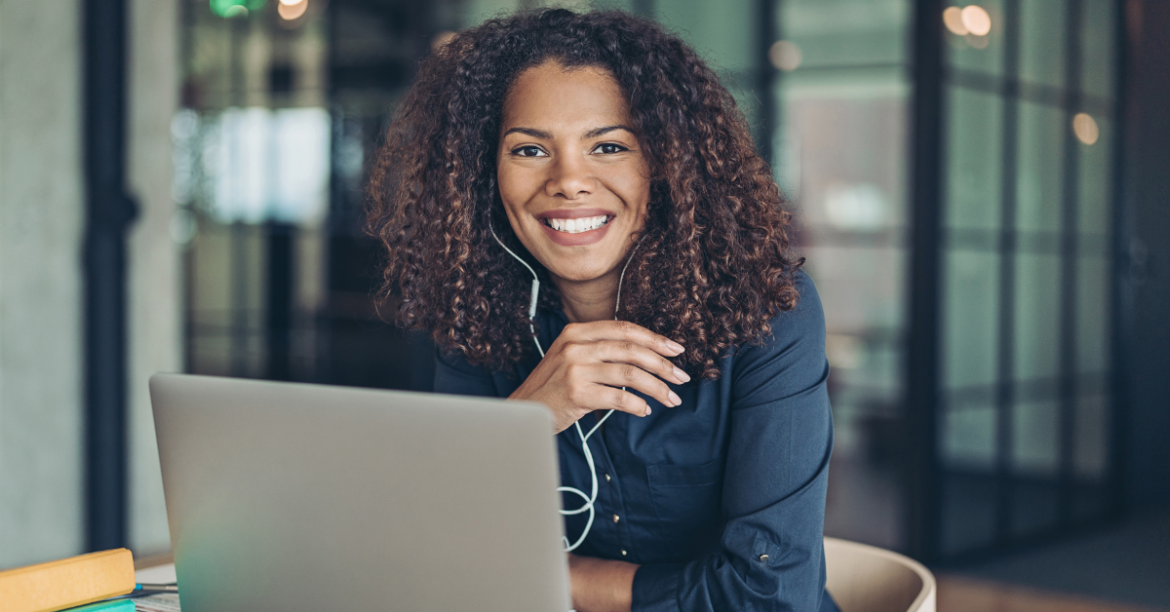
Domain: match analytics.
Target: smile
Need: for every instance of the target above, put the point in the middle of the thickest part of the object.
(577, 226)
(579, 231)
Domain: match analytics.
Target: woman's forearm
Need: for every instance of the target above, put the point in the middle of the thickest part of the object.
(601, 585)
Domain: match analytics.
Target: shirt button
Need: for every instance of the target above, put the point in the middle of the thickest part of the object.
(763, 558)
(623, 552)
(607, 479)
(616, 518)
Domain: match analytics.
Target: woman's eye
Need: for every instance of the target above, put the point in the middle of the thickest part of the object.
(528, 152)
(609, 148)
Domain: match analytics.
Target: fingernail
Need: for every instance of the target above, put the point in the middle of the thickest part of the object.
(675, 399)
(681, 375)
(647, 411)
(674, 346)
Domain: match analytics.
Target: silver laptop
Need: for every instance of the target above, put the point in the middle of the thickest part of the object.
(303, 497)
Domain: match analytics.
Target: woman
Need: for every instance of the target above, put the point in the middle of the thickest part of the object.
(676, 343)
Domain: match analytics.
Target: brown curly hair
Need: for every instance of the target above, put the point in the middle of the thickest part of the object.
(713, 266)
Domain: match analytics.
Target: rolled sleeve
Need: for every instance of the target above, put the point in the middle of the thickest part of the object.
(770, 555)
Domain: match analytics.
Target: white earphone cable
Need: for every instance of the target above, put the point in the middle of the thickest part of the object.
(592, 497)
(535, 289)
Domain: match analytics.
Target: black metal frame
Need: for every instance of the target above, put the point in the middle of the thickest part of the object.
(766, 33)
(109, 214)
(280, 305)
(1069, 258)
(1121, 305)
(1005, 388)
(924, 287)
(241, 333)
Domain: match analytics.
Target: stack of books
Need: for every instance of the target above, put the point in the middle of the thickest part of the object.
(89, 583)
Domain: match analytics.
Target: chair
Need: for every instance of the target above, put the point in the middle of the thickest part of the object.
(865, 578)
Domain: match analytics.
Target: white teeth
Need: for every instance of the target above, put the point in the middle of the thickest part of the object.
(576, 226)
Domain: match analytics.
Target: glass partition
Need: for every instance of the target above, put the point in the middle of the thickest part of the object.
(1025, 414)
(284, 106)
(843, 92)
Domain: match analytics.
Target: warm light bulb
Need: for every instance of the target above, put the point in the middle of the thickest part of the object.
(292, 10)
(785, 55)
(953, 19)
(1085, 127)
(976, 20)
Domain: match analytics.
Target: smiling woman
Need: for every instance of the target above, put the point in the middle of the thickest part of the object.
(713, 265)
(598, 157)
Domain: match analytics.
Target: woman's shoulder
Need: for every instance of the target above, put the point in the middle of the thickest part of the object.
(808, 305)
(793, 353)
(804, 323)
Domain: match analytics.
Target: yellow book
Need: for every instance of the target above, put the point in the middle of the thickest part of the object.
(67, 583)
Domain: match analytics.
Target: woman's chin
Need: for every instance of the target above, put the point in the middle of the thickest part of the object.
(577, 273)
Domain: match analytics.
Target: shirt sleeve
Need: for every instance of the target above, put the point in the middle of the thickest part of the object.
(771, 553)
(454, 375)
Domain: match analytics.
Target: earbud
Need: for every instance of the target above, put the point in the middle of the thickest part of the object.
(592, 497)
(535, 289)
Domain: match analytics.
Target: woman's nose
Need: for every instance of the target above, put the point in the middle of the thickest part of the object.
(571, 178)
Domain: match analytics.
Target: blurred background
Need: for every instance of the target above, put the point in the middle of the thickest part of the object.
(982, 192)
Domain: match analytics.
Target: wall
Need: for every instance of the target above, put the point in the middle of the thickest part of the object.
(155, 317)
(41, 217)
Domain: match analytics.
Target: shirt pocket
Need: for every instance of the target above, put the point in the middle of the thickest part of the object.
(687, 502)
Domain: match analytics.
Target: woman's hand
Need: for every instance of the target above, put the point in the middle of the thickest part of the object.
(588, 364)
(600, 585)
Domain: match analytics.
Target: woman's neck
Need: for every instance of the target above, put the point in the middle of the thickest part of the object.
(592, 300)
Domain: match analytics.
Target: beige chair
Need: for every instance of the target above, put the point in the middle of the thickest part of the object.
(865, 578)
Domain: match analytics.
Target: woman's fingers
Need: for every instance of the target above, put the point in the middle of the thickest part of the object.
(614, 398)
(590, 363)
(626, 351)
(623, 331)
(633, 377)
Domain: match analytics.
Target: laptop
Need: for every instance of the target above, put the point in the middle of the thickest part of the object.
(285, 496)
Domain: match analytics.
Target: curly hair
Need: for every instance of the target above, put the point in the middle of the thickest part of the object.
(713, 265)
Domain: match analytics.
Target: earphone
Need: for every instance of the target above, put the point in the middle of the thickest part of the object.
(592, 497)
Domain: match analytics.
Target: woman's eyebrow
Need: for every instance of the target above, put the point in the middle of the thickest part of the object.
(530, 132)
(595, 132)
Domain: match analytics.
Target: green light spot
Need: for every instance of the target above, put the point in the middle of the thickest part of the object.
(233, 8)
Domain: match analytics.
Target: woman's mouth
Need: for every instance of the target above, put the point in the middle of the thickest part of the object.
(582, 231)
(577, 226)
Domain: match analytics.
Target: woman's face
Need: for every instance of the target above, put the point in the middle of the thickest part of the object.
(572, 176)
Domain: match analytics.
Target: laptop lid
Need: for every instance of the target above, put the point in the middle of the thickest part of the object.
(286, 496)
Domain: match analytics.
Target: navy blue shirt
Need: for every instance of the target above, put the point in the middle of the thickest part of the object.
(721, 500)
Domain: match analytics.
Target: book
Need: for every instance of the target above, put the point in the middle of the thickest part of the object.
(109, 605)
(67, 583)
(160, 602)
